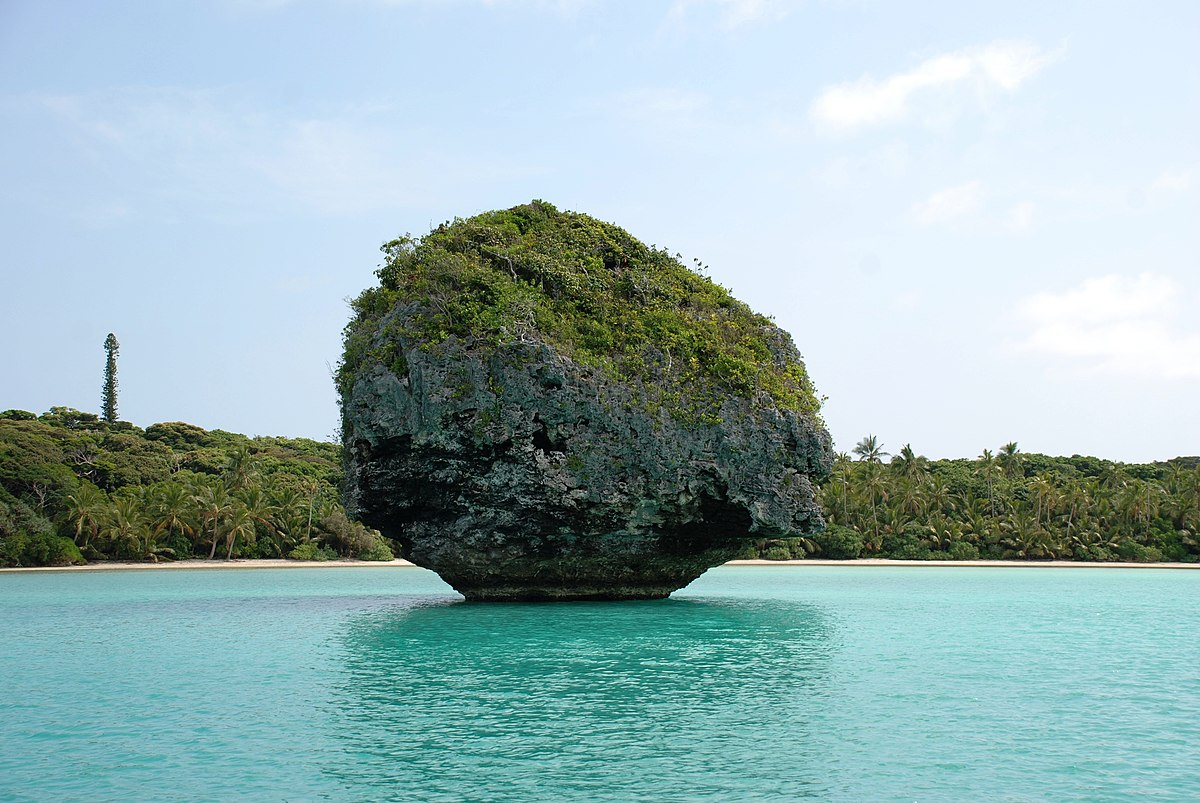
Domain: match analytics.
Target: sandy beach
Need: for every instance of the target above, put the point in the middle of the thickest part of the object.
(933, 564)
(280, 563)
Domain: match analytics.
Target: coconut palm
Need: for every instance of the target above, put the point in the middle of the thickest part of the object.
(1024, 537)
(1089, 543)
(876, 487)
(910, 494)
(261, 511)
(240, 468)
(289, 516)
(844, 470)
(124, 526)
(85, 510)
(870, 450)
(910, 464)
(215, 504)
(987, 469)
(1046, 494)
(173, 509)
(1010, 458)
(239, 523)
(1138, 502)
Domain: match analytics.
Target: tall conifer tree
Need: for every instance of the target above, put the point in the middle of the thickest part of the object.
(108, 396)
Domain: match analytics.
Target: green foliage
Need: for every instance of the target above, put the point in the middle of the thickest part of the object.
(1008, 505)
(311, 551)
(29, 539)
(108, 394)
(75, 486)
(589, 289)
(837, 543)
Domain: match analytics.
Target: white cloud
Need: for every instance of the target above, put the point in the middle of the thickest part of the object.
(1118, 325)
(1170, 182)
(1001, 65)
(949, 204)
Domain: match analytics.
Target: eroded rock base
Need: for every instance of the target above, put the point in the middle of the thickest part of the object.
(558, 594)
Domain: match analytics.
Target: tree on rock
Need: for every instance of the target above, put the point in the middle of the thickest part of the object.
(108, 395)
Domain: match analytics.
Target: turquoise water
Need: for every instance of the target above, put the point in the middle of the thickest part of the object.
(755, 683)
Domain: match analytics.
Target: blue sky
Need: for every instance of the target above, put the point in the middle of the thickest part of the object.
(979, 221)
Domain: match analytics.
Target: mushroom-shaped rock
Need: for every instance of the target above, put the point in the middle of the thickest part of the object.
(537, 406)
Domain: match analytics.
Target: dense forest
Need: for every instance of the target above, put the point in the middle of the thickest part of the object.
(76, 488)
(1003, 505)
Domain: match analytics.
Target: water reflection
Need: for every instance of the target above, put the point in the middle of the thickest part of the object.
(672, 699)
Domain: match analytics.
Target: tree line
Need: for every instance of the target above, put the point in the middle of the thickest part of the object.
(1004, 504)
(76, 488)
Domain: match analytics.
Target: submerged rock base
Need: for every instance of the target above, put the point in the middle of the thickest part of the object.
(539, 569)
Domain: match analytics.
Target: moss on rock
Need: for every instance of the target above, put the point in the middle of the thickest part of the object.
(592, 292)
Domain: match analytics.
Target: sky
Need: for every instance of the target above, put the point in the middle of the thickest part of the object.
(980, 222)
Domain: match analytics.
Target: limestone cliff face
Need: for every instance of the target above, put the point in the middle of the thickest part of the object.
(523, 467)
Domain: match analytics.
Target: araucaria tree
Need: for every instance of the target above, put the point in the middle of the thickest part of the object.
(108, 395)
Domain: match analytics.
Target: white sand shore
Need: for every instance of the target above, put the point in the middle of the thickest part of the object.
(270, 563)
(280, 563)
(936, 564)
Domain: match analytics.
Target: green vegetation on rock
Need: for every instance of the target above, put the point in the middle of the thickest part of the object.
(592, 292)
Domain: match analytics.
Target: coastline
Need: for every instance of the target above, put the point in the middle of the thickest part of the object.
(997, 564)
(283, 563)
(255, 563)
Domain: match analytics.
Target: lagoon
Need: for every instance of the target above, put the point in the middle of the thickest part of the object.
(754, 683)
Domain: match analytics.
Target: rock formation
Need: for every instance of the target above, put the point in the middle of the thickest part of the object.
(538, 407)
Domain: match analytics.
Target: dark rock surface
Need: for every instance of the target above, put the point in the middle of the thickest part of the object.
(524, 476)
(518, 469)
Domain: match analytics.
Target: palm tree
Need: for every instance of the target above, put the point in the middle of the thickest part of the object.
(876, 486)
(289, 514)
(239, 469)
(261, 511)
(1182, 488)
(241, 523)
(1024, 537)
(843, 469)
(85, 509)
(1139, 502)
(1046, 494)
(125, 525)
(939, 498)
(215, 505)
(311, 487)
(870, 450)
(1087, 543)
(910, 493)
(1010, 458)
(173, 509)
(988, 467)
(1077, 499)
(909, 464)
(941, 535)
